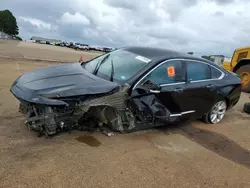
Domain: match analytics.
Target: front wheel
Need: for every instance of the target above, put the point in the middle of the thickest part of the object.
(216, 114)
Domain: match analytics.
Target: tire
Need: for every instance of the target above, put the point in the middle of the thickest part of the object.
(246, 107)
(216, 114)
(244, 72)
(205, 119)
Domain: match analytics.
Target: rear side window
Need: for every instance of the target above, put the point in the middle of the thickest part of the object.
(215, 73)
(197, 71)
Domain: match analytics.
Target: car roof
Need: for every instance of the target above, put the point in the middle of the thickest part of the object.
(161, 54)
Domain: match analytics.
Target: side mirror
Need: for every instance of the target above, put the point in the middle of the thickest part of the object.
(150, 85)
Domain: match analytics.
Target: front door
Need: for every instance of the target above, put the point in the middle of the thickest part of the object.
(170, 78)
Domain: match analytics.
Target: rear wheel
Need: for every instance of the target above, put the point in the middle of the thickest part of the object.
(244, 72)
(216, 114)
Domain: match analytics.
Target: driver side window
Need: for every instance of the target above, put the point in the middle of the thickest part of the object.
(168, 73)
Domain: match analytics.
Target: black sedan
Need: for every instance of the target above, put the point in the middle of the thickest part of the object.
(125, 90)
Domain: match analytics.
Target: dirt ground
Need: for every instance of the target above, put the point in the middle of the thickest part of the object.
(188, 155)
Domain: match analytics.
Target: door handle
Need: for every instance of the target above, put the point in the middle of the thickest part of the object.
(178, 90)
(154, 91)
(210, 86)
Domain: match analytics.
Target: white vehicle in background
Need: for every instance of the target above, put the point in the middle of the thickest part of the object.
(42, 42)
(81, 47)
(30, 41)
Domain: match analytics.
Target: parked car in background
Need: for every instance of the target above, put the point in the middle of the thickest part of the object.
(126, 90)
(79, 46)
(64, 44)
(105, 49)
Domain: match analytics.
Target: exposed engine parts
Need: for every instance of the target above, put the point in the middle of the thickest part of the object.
(46, 120)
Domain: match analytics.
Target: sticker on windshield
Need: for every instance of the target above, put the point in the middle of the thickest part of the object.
(144, 59)
(171, 71)
(123, 77)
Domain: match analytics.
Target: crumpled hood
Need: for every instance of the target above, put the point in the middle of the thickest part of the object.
(64, 80)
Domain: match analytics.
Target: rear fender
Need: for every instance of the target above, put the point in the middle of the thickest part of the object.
(231, 94)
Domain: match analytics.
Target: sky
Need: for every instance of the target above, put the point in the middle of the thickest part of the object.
(200, 26)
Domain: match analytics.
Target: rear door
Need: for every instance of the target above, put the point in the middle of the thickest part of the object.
(201, 88)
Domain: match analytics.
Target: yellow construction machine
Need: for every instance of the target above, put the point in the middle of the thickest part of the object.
(240, 64)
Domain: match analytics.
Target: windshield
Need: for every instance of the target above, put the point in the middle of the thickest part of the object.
(121, 65)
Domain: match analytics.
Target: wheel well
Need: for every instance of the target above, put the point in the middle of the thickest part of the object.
(107, 115)
(242, 62)
(227, 102)
(103, 113)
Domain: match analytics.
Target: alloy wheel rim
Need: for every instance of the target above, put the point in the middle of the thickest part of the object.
(218, 112)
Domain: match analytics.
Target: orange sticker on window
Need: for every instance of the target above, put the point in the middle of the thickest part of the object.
(171, 71)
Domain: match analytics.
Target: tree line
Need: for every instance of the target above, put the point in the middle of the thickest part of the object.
(8, 23)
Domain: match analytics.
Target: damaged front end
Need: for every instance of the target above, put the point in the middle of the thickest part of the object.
(94, 112)
(117, 110)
